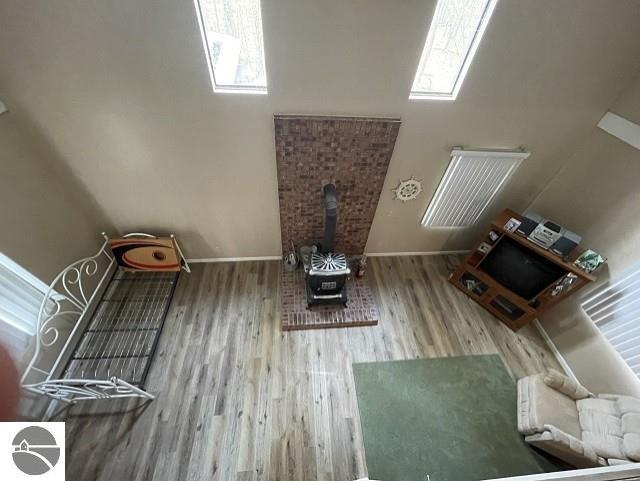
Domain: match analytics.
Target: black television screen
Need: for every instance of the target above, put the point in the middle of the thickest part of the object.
(519, 269)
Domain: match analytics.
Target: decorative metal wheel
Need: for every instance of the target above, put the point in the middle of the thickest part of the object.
(328, 262)
(408, 189)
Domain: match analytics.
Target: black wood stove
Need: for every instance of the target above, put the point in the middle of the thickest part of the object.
(328, 271)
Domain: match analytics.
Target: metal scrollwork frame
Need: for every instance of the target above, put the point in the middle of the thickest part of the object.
(73, 390)
(67, 300)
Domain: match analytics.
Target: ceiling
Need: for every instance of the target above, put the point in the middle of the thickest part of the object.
(121, 92)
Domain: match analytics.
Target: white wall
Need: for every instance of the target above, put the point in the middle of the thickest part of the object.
(46, 219)
(597, 194)
(121, 92)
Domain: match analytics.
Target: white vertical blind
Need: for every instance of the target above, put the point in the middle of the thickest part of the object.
(615, 309)
(20, 297)
(471, 182)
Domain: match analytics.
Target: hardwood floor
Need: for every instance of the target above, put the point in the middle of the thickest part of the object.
(238, 399)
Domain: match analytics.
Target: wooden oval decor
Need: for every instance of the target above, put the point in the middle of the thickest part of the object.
(146, 254)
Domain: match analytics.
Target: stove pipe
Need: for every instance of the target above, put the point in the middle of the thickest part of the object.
(331, 216)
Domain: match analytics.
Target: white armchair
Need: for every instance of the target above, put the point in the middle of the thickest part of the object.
(559, 416)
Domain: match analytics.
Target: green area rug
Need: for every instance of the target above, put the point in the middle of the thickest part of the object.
(443, 419)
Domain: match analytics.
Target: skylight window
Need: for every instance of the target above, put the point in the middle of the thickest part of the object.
(232, 36)
(455, 33)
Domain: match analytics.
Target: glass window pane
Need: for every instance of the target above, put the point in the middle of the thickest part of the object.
(233, 35)
(456, 30)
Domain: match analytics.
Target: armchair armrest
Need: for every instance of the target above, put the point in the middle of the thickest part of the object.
(572, 442)
(566, 447)
(540, 404)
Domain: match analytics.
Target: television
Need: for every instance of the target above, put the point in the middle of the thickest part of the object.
(519, 269)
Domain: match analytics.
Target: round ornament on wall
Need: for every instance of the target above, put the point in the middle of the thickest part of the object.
(408, 189)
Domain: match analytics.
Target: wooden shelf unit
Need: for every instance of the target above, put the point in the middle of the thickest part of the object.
(509, 307)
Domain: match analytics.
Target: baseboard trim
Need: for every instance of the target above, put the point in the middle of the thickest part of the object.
(425, 253)
(233, 259)
(368, 254)
(556, 353)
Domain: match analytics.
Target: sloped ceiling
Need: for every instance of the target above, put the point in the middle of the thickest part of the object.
(121, 91)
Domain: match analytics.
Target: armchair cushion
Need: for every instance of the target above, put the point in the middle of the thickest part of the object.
(604, 406)
(605, 445)
(631, 435)
(631, 446)
(600, 417)
(630, 423)
(628, 404)
(629, 408)
(565, 385)
(601, 426)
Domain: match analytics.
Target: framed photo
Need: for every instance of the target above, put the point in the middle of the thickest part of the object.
(484, 247)
(493, 236)
(512, 224)
(589, 261)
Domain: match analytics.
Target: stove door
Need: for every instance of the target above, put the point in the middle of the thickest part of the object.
(326, 284)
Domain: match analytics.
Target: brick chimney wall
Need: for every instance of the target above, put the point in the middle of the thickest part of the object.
(351, 152)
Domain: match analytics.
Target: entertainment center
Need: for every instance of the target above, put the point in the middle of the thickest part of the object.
(514, 278)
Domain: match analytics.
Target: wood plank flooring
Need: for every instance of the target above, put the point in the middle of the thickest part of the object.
(238, 399)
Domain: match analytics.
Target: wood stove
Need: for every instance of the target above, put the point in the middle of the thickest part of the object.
(328, 271)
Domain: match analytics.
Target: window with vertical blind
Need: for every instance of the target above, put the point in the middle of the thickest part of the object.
(615, 310)
(21, 294)
(470, 184)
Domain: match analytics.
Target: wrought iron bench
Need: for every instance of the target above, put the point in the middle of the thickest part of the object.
(112, 320)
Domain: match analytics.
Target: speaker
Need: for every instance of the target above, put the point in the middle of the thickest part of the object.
(563, 246)
(529, 222)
